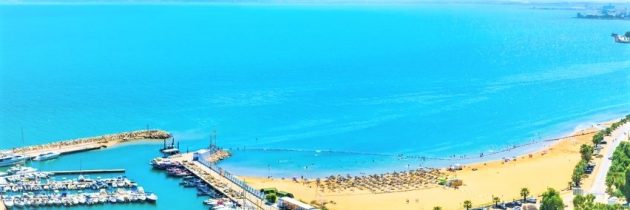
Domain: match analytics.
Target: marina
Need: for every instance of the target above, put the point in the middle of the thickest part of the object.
(26, 187)
(23, 186)
(118, 196)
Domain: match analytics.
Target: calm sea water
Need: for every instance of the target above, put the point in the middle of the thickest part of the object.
(431, 80)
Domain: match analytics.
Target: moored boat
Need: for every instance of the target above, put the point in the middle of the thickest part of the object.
(46, 156)
(8, 202)
(12, 159)
(162, 163)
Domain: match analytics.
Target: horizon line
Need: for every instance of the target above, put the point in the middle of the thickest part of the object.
(308, 2)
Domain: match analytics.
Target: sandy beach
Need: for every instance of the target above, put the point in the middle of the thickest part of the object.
(549, 167)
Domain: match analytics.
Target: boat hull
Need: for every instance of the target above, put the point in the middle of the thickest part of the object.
(46, 157)
(12, 162)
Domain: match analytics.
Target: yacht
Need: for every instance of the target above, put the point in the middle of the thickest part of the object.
(12, 159)
(46, 156)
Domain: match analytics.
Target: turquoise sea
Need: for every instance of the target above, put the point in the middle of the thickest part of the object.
(368, 81)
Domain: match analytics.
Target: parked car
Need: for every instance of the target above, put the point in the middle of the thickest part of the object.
(530, 200)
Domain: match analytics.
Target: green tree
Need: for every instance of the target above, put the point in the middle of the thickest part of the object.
(496, 200)
(551, 200)
(524, 193)
(467, 204)
(578, 202)
(587, 152)
(598, 138)
(590, 201)
(626, 187)
(585, 202)
(437, 208)
(608, 131)
(576, 177)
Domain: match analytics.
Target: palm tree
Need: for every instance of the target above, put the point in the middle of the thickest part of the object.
(467, 204)
(437, 208)
(496, 201)
(524, 193)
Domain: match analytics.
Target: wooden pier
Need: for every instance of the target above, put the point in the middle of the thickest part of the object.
(91, 143)
(95, 171)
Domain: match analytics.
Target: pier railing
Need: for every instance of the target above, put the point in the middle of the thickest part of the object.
(203, 159)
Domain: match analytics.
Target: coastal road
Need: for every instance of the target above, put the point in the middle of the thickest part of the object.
(599, 184)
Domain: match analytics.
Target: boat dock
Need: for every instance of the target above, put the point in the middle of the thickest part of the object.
(96, 171)
(221, 180)
(90, 143)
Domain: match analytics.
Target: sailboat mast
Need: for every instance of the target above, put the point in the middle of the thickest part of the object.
(22, 135)
(22, 138)
(214, 137)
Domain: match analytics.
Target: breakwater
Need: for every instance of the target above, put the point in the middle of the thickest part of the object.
(91, 143)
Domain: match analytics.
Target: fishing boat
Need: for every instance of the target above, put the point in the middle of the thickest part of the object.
(177, 172)
(217, 201)
(191, 183)
(12, 159)
(46, 156)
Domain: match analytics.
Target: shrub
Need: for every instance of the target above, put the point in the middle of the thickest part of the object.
(271, 197)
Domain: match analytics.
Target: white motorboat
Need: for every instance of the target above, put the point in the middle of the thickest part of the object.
(46, 156)
(8, 202)
(12, 159)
